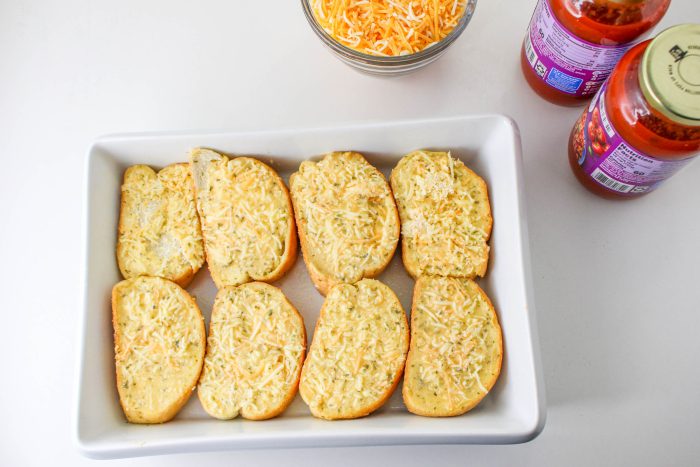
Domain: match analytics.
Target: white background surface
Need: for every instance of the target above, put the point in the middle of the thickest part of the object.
(616, 284)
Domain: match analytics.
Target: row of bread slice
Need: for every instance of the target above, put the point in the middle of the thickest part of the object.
(361, 348)
(255, 351)
(249, 364)
(238, 213)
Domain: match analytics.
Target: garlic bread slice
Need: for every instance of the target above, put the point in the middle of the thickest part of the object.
(159, 342)
(445, 216)
(456, 347)
(347, 219)
(358, 351)
(159, 231)
(255, 350)
(247, 218)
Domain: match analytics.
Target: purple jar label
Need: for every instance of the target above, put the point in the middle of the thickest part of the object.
(610, 160)
(564, 61)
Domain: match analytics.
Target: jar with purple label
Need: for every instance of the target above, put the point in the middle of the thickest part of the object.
(643, 125)
(571, 46)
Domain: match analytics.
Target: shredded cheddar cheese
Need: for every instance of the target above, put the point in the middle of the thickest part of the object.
(388, 27)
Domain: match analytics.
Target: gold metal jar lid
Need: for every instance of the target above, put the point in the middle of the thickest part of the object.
(669, 75)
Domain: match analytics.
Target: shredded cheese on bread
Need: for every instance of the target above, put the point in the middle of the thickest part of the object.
(456, 347)
(255, 351)
(247, 218)
(159, 230)
(347, 219)
(358, 351)
(388, 27)
(445, 215)
(159, 342)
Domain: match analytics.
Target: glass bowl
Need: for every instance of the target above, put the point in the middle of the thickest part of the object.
(393, 65)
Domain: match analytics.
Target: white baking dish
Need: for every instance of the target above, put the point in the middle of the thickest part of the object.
(514, 412)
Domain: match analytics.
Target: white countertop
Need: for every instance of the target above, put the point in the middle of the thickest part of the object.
(616, 283)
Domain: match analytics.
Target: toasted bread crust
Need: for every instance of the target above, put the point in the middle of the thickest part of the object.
(239, 406)
(188, 271)
(408, 392)
(305, 388)
(324, 280)
(421, 260)
(168, 413)
(290, 248)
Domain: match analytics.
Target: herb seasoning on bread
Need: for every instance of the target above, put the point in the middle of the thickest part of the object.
(159, 231)
(247, 218)
(456, 347)
(445, 216)
(159, 341)
(347, 219)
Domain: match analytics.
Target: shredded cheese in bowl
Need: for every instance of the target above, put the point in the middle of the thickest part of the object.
(388, 36)
(388, 27)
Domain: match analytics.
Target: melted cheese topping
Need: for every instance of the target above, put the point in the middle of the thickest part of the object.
(255, 350)
(456, 346)
(159, 345)
(246, 219)
(358, 351)
(159, 232)
(445, 215)
(388, 27)
(346, 215)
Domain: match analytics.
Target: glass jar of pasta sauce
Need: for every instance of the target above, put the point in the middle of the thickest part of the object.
(644, 123)
(571, 46)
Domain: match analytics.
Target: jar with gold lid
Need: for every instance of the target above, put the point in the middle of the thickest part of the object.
(644, 123)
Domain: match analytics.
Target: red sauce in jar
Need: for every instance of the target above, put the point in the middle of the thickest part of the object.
(613, 25)
(642, 127)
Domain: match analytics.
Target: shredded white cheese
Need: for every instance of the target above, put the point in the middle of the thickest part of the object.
(346, 213)
(358, 351)
(255, 349)
(159, 344)
(455, 346)
(246, 219)
(159, 230)
(445, 215)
